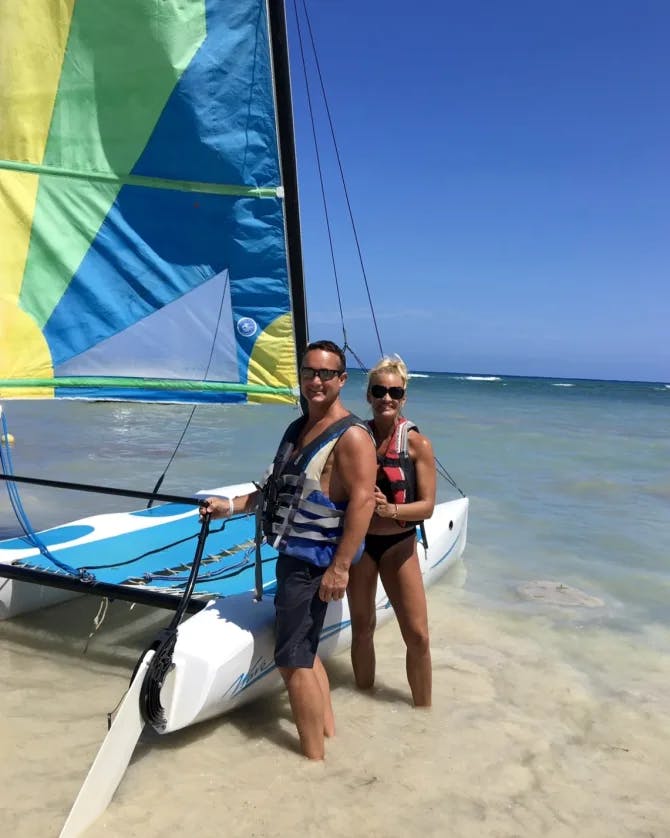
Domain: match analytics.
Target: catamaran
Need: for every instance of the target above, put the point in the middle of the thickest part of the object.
(151, 252)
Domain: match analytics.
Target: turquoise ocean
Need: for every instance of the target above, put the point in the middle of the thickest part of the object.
(550, 717)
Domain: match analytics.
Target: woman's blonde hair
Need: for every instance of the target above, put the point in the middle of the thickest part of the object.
(393, 364)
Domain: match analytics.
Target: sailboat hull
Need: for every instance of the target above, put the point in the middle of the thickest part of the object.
(224, 654)
(223, 657)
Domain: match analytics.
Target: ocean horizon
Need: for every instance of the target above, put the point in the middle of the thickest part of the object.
(481, 375)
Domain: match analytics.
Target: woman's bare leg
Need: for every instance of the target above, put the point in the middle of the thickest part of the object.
(402, 580)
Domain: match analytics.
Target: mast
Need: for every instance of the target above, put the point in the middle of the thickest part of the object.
(287, 160)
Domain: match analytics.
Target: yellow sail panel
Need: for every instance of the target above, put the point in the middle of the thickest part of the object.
(34, 29)
(23, 350)
(272, 361)
(34, 34)
(18, 192)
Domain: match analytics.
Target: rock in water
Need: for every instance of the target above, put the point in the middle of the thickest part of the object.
(556, 593)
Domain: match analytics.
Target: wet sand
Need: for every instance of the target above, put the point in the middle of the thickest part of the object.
(545, 722)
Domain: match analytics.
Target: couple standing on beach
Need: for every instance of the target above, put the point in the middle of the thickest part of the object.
(331, 496)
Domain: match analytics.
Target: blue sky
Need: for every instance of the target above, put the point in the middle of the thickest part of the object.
(508, 170)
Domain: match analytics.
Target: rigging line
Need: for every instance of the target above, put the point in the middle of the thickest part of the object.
(215, 576)
(159, 482)
(445, 474)
(139, 558)
(32, 537)
(319, 168)
(234, 569)
(361, 365)
(238, 567)
(342, 178)
(212, 576)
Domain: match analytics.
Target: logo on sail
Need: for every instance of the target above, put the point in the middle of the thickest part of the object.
(247, 327)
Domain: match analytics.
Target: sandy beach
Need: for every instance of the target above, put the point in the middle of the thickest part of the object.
(544, 724)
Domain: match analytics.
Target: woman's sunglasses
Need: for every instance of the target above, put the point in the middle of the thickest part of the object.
(378, 392)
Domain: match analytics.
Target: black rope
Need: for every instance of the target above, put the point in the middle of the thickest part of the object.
(159, 482)
(361, 365)
(163, 646)
(441, 470)
(225, 573)
(149, 552)
(215, 576)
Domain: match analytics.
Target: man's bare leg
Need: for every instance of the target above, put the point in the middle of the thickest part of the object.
(306, 697)
(361, 593)
(324, 684)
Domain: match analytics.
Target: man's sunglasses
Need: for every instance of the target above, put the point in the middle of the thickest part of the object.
(325, 375)
(378, 392)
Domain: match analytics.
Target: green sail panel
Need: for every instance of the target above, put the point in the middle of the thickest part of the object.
(148, 256)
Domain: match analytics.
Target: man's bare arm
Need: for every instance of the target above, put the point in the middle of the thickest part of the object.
(356, 466)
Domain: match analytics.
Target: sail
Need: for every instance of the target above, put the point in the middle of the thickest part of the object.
(142, 215)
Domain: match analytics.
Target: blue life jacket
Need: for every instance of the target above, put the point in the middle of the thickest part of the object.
(298, 518)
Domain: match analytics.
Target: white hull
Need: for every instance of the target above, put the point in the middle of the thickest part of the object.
(22, 597)
(224, 654)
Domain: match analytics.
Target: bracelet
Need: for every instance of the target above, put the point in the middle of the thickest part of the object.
(395, 514)
(231, 507)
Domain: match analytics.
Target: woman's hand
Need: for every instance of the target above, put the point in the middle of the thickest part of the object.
(383, 507)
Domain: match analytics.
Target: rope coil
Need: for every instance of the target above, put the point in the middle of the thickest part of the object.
(151, 708)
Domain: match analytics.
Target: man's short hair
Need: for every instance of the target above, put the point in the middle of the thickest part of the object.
(328, 346)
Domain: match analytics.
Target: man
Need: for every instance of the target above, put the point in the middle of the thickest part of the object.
(317, 506)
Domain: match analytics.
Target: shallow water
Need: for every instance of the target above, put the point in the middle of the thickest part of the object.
(547, 719)
(541, 725)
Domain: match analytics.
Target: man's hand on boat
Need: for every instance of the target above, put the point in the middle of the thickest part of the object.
(227, 507)
(216, 508)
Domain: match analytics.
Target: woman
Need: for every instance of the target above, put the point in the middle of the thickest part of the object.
(404, 496)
